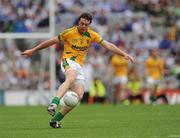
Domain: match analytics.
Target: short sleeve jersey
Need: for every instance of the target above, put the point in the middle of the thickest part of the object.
(154, 67)
(76, 44)
(120, 65)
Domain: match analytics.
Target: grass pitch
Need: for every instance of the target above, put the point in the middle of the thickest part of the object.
(93, 121)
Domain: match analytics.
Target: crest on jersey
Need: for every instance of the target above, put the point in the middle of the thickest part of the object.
(81, 41)
(74, 40)
(87, 41)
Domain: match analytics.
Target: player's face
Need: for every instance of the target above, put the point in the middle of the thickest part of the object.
(83, 25)
(154, 53)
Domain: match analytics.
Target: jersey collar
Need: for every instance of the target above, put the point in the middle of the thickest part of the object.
(84, 34)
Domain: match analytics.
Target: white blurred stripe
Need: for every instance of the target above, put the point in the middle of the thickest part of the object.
(25, 35)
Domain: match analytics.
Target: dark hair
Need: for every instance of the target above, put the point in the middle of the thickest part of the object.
(86, 16)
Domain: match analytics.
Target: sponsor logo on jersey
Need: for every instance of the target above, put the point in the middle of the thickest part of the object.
(79, 48)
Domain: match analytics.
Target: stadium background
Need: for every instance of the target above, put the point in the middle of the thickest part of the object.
(137, 26)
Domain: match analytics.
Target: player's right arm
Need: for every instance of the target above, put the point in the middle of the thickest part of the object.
(110, 46)
(114, 49)
(42, 45)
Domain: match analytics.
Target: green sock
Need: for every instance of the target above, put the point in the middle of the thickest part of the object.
(58, 116)
(55, 100)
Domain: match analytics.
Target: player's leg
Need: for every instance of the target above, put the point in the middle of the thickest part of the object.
(117, 93)
(77, 87)
(120, 93)
(151, 89)
(154, 88)
(123, 94)
(55, 121)
(70, 78)
(116, 84)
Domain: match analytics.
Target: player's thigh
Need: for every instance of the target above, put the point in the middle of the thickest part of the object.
(79, 87)
(70, 74)
(152, 83)
(121, 82)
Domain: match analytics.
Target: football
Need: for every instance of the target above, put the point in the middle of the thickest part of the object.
(71, 98)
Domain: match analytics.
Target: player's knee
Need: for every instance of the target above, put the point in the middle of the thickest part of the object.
(71, 79)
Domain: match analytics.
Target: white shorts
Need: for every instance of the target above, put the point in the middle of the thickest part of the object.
(122, 80)
(152, 81)
(75, 66)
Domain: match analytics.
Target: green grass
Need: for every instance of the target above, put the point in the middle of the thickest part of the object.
(93, 121)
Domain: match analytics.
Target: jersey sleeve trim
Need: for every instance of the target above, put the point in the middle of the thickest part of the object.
(62, 34)
(100, 41)
(59, 37)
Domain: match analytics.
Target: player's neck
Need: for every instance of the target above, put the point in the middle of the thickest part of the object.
(82, 33)
(155, 57)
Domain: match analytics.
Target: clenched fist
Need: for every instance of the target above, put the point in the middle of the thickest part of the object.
(28, 53)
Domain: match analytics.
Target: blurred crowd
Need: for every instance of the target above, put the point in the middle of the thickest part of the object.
(136, 26)
(24, 15)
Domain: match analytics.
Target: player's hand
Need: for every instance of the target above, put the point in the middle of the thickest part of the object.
(28, 53)
(128, 57)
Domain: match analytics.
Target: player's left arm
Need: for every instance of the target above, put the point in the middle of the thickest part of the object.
(114, 49)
